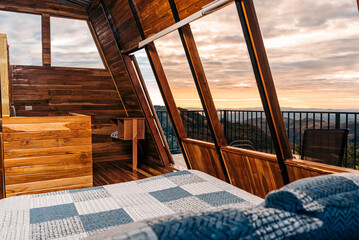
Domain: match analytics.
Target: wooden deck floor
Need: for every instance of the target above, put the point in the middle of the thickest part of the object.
(121, 171)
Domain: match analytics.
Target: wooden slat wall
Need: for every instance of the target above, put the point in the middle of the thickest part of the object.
(187, 8)
(254, 172)
(52, 7)
(124, 22)
(154, 15)
(46, 39)
(53, 91)
(258, 173)
(203, 156)
(117, 68)
(43, 154)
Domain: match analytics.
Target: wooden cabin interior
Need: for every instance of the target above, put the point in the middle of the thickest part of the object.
(60, 138)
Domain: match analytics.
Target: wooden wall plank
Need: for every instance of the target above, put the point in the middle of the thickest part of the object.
(203, 156)
(52, 7)
(259, 173)
(187, 8)
(54, 91)
(46, 39)
(124, 23)
(154, 15)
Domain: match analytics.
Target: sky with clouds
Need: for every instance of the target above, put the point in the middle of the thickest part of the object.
(312, 48)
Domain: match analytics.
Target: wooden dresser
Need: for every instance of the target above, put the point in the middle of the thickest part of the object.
(45, 154)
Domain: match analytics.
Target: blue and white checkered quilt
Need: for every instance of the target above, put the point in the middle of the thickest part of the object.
(320, 208)
(77, 214)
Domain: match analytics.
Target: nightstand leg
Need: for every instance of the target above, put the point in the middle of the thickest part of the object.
(134, 145)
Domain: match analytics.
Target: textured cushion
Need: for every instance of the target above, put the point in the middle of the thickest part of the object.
(334, 199)
(325, 207)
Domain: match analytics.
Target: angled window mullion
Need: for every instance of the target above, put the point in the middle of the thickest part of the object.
(263, 75)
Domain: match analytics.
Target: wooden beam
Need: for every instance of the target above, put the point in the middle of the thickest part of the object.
(4, 76)
(200, 79)
(46, 39)
(202, 84)
(52, 7)
(167, 97)
(203, 90)
(147, 95)
(262, 72)
(147, 111)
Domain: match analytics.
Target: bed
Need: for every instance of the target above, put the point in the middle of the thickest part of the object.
(188, 205)
(81, 213)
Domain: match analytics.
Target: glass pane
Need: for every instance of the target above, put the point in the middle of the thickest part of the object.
(225, 59)
(183, 88)
(24, 37)
(313, 51)
(72, 44)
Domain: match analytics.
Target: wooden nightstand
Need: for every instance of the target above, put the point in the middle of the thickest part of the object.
(131, 129)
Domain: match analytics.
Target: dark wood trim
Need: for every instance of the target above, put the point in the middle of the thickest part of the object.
(51, 7)
(319, 167)
(46, 39)
(199, 143)
(262, 72)
(153, 111)
(250, 153)
(167, 97)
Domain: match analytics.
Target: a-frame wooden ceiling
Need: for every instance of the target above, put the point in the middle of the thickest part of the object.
(83, 3)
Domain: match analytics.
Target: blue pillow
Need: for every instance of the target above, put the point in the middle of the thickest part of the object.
(334, 199)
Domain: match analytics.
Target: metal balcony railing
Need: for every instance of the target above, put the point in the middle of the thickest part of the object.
(249, 126)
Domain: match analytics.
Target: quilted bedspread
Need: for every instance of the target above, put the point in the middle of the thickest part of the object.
(80, 213)
(320, 208)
